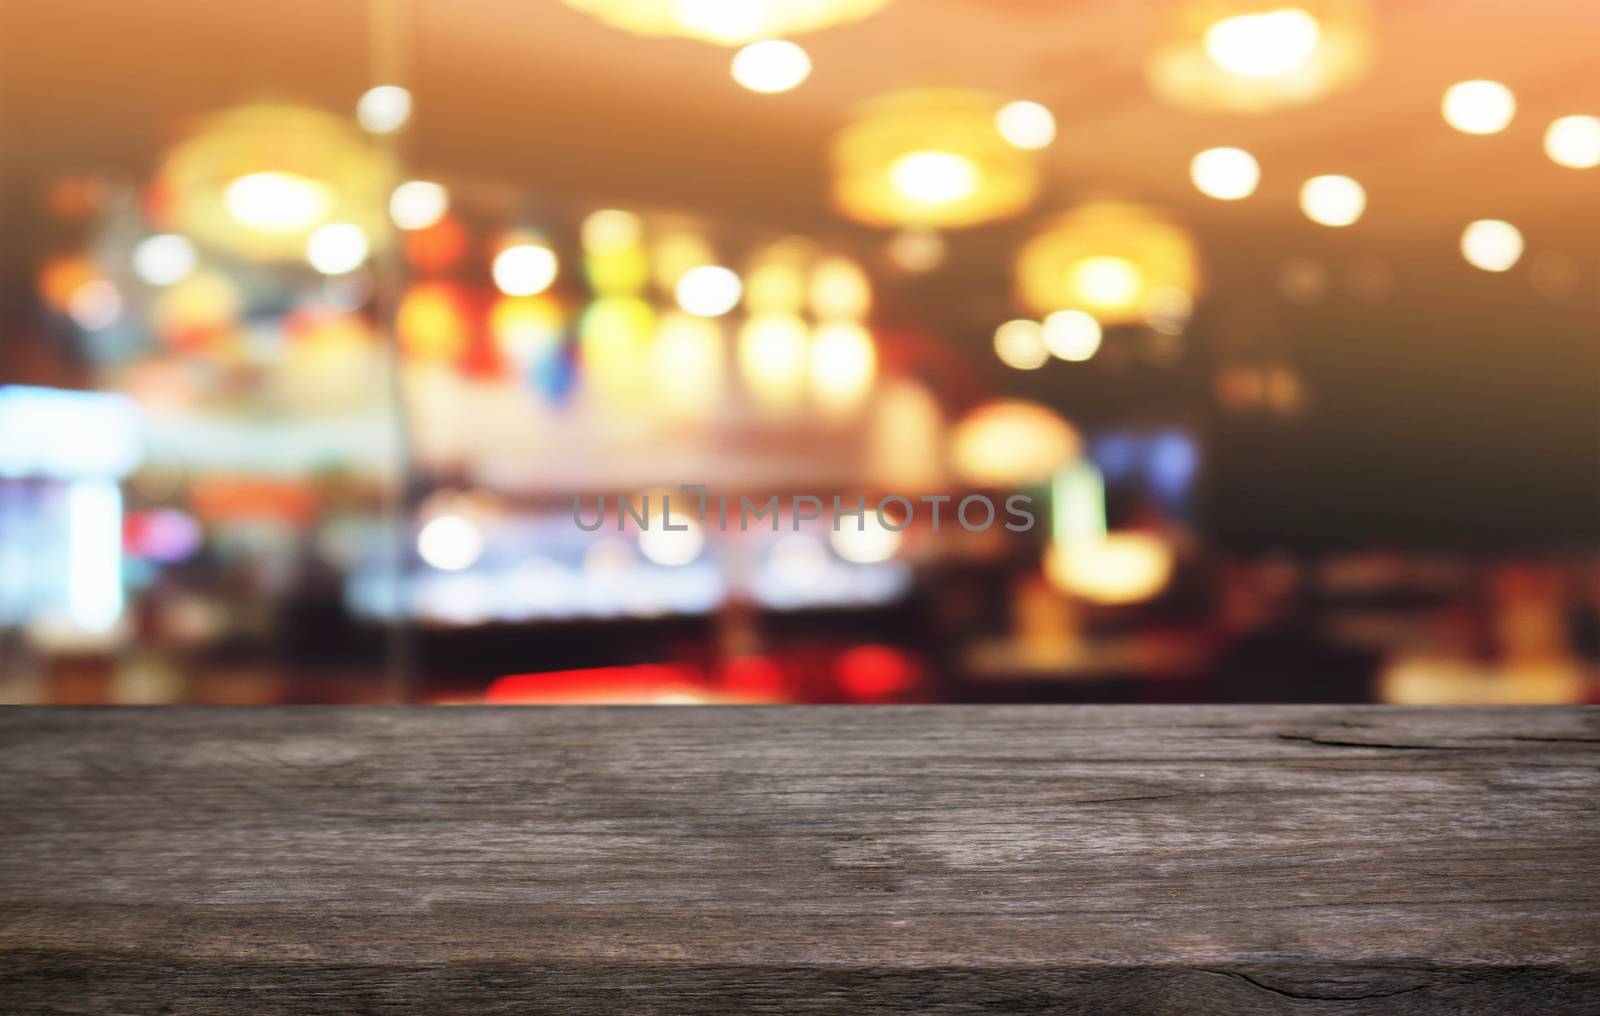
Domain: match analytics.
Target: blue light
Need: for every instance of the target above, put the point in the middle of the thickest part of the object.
(1117, 454)
(1173, 462)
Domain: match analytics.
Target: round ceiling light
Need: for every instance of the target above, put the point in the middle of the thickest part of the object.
(259, 180)
(727, 22)
(1110, 260)
(1253, 56)
(933, 158)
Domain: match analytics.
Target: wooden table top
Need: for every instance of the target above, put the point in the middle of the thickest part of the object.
(941, 859)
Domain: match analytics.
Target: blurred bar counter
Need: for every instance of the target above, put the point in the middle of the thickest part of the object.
(947, 859)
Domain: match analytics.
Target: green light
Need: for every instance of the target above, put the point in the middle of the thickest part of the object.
(1078, 505)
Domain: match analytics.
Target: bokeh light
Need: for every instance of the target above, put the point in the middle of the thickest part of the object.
(1332, 200)
(776, 281)
(450, 543)
(610, 231)
(276, 202)
(1012, 443)
(383, 109)
(688, 362)
(438, 247)
(192, 313)
(772, 359)
(526, 329)
(337, 248)
(1479, 107)
(1255, 56)
(1121, 568)
(329, 365)
(614, 257)
(1027, 125)
(675, 251)
(431, 322)
(95, 305)
(916, 250)
(1227, 174)
(875, 673)
(524, 269)
(798, 560)
(165, 259)
(1071, 335)
(934, 178)
(1264, 45)
(614, 338)
(1020, 344)
(1574, 142)
(771, 66)
(672, 547)
(931, 158)
(1107, 258)
(418, 204)
(1105, 282)
(255, 180)
(709, 290)
(1167, 309)
(840, 290)
(1491, 245)
(60, 278)
(1302, 281)
(868, 542)
(726, 22)
(844, 364)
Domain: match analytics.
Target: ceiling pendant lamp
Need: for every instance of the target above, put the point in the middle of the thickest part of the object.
(1253, 56)
(932, 158)
(726, 22)
(1010, 443)
(1118, 262)
(259, 180)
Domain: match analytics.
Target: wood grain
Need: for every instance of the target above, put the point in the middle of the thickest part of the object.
(832, 860)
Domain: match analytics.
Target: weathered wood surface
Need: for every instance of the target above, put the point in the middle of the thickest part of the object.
(910, 860)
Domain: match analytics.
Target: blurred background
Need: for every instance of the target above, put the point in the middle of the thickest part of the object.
(316, 317)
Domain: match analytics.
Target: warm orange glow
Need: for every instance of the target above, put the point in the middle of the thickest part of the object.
(330, 362)
(438, 247)
(844, 365)
(614, 340)
(776, 280)
(727, 22)
(1108, 259)
(1020, 344)
(1254, 56)
(526, 329)
(688, 362)
(770, 66)
(197, 311)
(1478, 107)
(1333, 200)
(257, 180)
(772, 359)
(432, 322)
(840, 290)
(1227, 174)
(1121, 568)
(62, 277)
(931, 158)
(1011, 443)
(642, 684)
